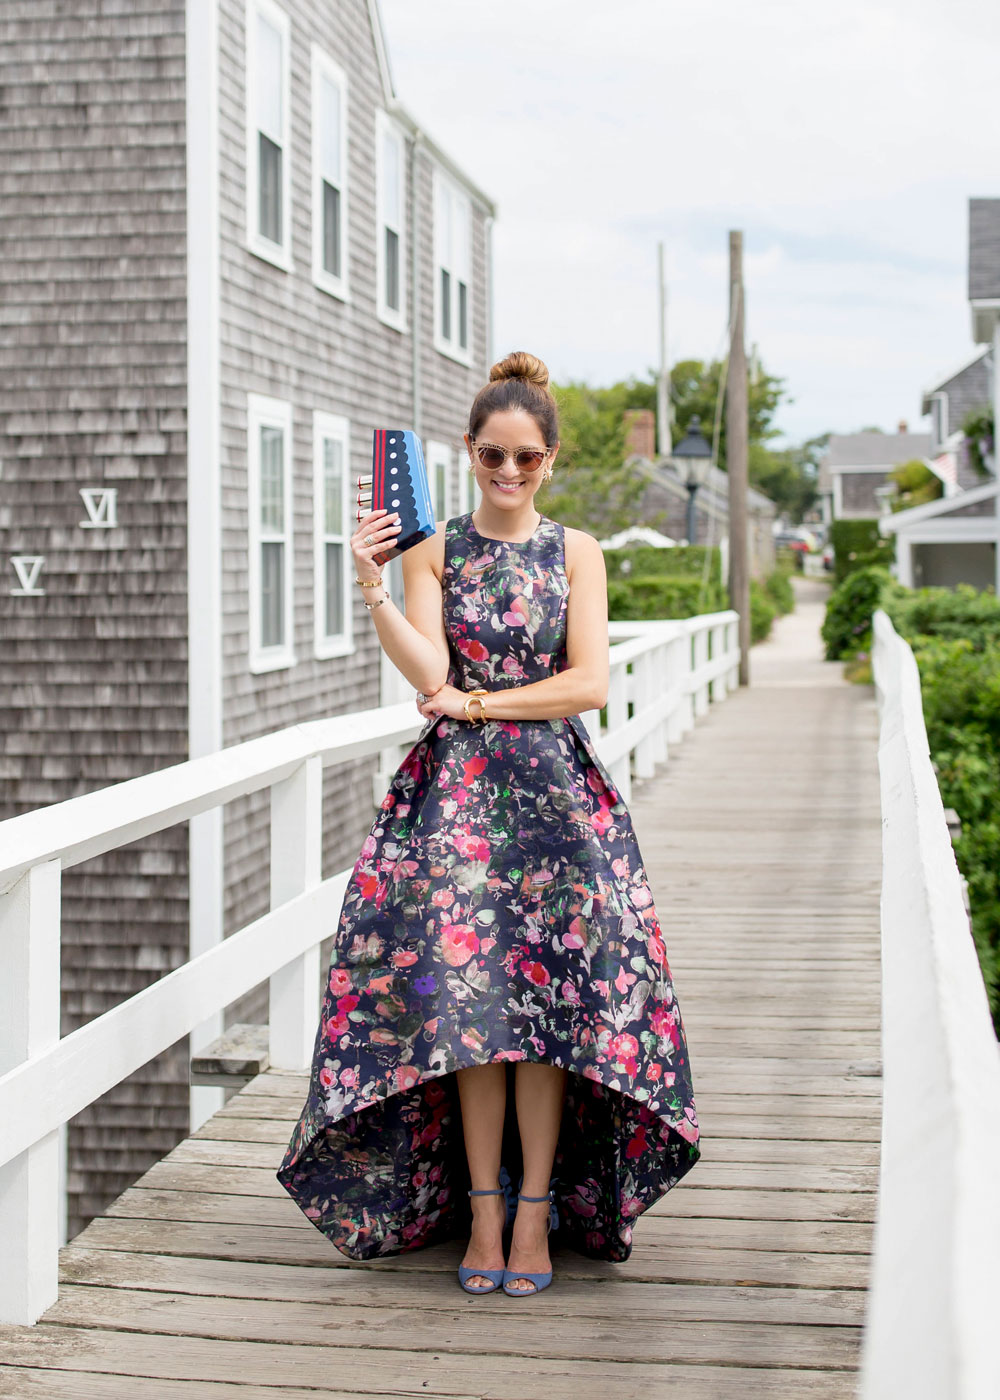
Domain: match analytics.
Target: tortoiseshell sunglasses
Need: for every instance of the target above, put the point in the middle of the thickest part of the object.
(527, 459)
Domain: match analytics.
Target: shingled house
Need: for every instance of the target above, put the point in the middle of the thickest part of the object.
(856, 465)
(957, 539)
(228, 254)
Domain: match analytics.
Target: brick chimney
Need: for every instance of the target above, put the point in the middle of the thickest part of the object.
(904, 427)
(640, 433)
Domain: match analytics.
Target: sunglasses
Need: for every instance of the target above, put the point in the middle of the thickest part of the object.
(527, 459)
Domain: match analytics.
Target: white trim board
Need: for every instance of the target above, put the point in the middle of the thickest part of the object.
(903, 519)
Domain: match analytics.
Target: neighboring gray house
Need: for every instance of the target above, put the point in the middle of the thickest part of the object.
(949, 401)
(957, 539)
(200, 335)
(857, 465)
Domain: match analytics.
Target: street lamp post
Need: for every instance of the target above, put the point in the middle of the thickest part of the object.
(693, 459)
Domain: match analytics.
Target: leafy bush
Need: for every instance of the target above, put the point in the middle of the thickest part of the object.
(980, 438)
(762, 613)
(945, 612)
(857, 544)
(645, 599)
(960, 686)
(779, 591)
(646, 560)
(847, 626)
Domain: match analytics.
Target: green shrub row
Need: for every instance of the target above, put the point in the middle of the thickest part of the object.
(955, 636)
(645, 561)
(646, 599)
(857, 544)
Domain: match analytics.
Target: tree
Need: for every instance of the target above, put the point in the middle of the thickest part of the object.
(595, 489)
(592, 487)
(915, 484)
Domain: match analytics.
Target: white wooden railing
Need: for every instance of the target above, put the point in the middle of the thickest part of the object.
(934, 1304)
(662, 677)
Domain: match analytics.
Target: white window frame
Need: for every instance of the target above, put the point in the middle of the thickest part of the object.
(323, 66)
(280, 254)
(450, 202)
(327, 427)
(264, 412)
(387, 129)
(438, 456)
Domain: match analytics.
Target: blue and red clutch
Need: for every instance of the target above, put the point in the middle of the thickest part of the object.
(398, 482)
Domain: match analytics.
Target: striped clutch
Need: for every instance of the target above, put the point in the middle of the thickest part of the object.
(398, 482)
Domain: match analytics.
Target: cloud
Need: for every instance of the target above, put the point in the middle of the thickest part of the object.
(844, 141)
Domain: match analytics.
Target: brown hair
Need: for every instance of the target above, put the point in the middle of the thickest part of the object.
(518, 381)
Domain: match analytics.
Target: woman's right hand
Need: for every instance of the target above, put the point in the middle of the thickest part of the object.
(381, 527)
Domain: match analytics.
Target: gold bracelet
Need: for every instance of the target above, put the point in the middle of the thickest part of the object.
(477, 696)
(377, 603)
(369, 582)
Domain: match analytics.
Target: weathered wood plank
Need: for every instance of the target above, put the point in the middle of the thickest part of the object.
(668, 1257)
(401, 1374)
(652, 1301)
(463, 1328)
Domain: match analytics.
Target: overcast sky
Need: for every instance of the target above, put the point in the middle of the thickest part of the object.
(843, 139)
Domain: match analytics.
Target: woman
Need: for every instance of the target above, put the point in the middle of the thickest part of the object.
(498, 932)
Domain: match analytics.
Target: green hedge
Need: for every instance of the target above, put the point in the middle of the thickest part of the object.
(847, 626)
(646, 599)
(858, 544)
(955, 636)
(645, 560)
(778, 588)
(762, 613)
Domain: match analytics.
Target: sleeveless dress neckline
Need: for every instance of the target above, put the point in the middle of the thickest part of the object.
(518, 544)
(499, 911)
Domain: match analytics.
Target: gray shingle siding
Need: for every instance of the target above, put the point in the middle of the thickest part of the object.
(93, 288)
(93, 359)
(342, 360)
(984, 249)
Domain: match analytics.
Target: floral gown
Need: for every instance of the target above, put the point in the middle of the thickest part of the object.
(499, 911)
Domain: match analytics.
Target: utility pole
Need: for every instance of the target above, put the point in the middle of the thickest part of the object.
(737, 433)
(663, 442)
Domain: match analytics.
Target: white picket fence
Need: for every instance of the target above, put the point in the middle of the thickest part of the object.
(663, 675)
(934, 1304)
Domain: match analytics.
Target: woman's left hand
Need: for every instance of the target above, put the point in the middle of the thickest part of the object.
(446, 701)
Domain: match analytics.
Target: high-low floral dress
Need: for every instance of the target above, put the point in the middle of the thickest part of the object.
(499, 911)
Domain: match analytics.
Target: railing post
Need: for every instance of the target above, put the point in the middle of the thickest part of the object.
(660, 682)
(678, 652)
(699, 641)
(296, 866)
(717, 640)
(621, 768)
(733, 644)
(645, 694)
(29, 1023)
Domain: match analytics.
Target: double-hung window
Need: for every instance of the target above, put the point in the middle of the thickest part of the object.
(452, 269)
(438, 459)
(329, 174)
(331, 534)
(268, 181)
(269, 501)
(390, 200)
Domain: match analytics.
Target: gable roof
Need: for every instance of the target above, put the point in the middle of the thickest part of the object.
(944, 505)
(984, 249)
(973, 362)
(864, 450)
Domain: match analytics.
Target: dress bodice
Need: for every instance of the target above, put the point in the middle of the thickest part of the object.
(504, 605)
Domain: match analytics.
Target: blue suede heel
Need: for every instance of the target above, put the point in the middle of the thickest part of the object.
(495, 1276)
(540, 1281)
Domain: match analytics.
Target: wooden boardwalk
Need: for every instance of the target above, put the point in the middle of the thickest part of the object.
(762, 837)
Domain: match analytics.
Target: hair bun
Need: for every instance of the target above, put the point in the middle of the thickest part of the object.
(520, 365)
